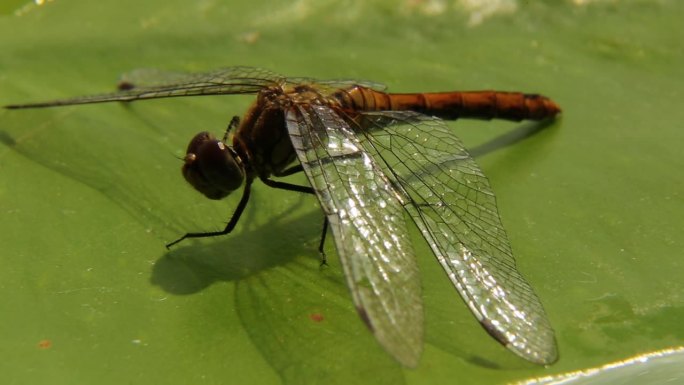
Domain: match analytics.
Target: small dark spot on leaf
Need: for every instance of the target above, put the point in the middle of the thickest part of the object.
(125, 86)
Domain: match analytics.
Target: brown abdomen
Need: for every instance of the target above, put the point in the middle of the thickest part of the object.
(514, 106)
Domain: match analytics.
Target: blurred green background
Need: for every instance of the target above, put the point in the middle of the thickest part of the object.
(89, 195)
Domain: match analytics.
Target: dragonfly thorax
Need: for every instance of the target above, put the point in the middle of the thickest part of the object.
(212, 167)
(261, 139)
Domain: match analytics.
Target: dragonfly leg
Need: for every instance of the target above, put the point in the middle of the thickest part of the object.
(324, 260)
(231, 127)
(307, 190)
(229, 227)
(288, 186)
(292, 170)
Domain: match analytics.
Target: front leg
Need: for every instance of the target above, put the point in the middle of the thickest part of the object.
(304, 189)
(232, 126)
(292, 170)
(231, 224)
(287, 186)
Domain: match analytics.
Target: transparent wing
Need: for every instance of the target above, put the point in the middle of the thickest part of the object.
(367, 222)
(150, 83)
(153, 84)
(453, 205)
(332, 85)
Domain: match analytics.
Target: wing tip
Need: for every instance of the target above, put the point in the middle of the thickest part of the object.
(547, 357)
(365, 318)
(543, 353)
(407, 356)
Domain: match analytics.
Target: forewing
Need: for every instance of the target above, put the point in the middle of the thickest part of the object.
(346, 83)
(336, 84)
(454, 207)
(367, 222)
(154, 84)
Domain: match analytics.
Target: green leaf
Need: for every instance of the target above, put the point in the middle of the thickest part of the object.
(89, 195)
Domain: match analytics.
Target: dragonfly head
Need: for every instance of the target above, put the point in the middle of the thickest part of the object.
(212, 167)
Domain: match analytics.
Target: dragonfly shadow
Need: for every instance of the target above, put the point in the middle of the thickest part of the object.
(7, 139)
(519, 134)
(239, 255)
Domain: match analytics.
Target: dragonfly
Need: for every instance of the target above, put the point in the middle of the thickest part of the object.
(376, 161)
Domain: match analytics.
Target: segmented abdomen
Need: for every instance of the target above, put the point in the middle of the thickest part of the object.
(514, 106)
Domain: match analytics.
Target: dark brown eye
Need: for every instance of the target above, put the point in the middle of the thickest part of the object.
(211, 167)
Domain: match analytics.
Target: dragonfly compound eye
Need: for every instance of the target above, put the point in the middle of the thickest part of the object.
(211, 167)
